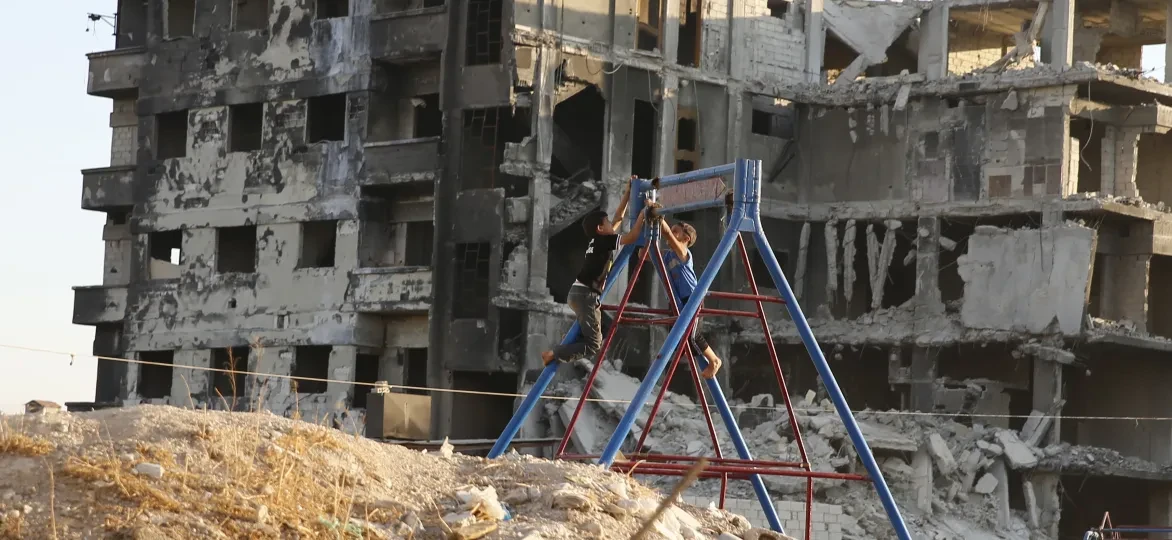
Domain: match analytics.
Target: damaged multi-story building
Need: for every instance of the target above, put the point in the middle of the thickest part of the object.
(967, 196)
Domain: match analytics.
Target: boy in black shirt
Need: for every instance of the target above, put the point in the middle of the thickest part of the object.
(586, 293)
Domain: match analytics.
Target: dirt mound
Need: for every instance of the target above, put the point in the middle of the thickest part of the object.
(165, 472)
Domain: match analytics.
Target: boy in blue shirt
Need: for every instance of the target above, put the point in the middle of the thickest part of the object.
(678, 260)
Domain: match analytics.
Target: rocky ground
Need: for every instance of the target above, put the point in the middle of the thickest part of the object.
(165, 472)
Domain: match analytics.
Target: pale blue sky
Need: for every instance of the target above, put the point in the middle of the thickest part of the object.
(49, 131)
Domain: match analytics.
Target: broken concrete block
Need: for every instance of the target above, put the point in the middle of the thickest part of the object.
(456, 520)
(1017, 453)
(153, 470)
(990, 448)
(941, 454)
(986, 484)
(901, 98)
(1010, 103)
(473, 531)
(570, 500)
(922, 479)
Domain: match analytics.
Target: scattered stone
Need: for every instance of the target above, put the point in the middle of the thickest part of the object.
(615, 510)
(153, 470)
(446, 449)
(262, 513)
(1017, 453)
(570, 500)
(456, 520)
(618, 488)
(592, 527)
(27, 509)
(522, 495)
(941, 455)
(986, 484)
(473, 531)
(990, 448)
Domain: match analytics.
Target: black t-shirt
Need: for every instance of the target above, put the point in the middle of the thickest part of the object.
(597, 264)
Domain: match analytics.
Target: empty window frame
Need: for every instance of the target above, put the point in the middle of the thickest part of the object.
(228, 385)
(768, 124)
(171, 133)
(251, 15)
(245, 129)
(650, 24)
(366, 374)
(154, 374)
(236, 249)
(166, 254)
(180, 18)
(311, 362)
(328, 9)
(415, 372)
(484, 32)
(419, 243)
(473, 266)
(429, 119)
(318, 244)
(326, 118)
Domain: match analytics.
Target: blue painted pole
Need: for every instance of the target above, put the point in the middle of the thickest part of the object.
(655, 371)
(692, 176)
(828, 380)
(506, 437)
(702, 205)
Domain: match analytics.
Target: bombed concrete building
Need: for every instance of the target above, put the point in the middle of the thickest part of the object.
(967, 196)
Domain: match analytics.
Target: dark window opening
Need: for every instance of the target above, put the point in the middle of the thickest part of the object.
(684, 165)
(154, 380)
(778, 8)
(117, 217)
(486, 131)
(643, 138)
(180, 18)
(236, 249)
(365, 374)
(482, 416)
(691, 32)
(429, 119)
(768, 124)
(686, 134)
(419, 243)
(511, 335)
(311, 362)
(245, 127)
(761, 271)
(650, 25)
(171, 131)
(473, 269)
(326, 118)
(252, 14)
(484, 32)
(579, 134)
(566, 250)
(415, 371)
(900, 285)
(318, 244)
(131, 24)
(1090, 144)
(229, 386)
(836, 56)
(166, 253)
(1087, 497)
(328, 9)
(1159, 295)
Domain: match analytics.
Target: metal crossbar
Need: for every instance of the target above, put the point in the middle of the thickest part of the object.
(744, 219)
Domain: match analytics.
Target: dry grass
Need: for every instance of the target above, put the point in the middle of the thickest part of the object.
(19, 444)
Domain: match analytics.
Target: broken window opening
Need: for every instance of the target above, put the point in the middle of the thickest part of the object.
(511, 336)
(473, 271)
(984, 383)
(311, 362)
(166, 254)
(251, 15)
(899, 58)
(318, 244)
(691, 32)
(650, 25)
(1160, 296)
(900, 285)
(365, 374)
(954, 237)
(566, 249)
(236, 249)
(579, 133)
(683, 166)
(761, 272)
(329, 9)
(686, 134)
(229, 387)
(180, 18)
(117, 217)
(154, 375)
(415, 371)
(644, 132)
(420, 237)
(1090, 496)
(778, 8)
(836, 56)
(769, 124)
(484, 32)
(486, 131)
(429, 119)
(1153, 158)
(171, 131)
(754, 375)
(326, 118)
(245, 127)
(131, 24)
(482, 416)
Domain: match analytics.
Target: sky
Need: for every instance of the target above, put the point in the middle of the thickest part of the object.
(49, 131)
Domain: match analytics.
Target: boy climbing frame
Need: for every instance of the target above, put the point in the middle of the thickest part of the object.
(744, 217)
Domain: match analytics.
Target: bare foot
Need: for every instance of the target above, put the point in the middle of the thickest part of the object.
(546, 358)
(713, 366)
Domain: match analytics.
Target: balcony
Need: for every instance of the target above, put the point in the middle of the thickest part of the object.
(402, 162)
(115, 74)
(107, 188)
(408, 35)
(402, 289)
(98, 304)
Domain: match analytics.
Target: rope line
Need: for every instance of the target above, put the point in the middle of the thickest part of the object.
(562, 398)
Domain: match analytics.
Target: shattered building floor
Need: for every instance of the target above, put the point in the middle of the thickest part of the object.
(967, 196)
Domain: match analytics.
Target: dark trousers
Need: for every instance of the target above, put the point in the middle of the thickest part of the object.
(591, 321)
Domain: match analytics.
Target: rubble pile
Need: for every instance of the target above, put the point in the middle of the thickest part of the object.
(166, 472)
(952, 479)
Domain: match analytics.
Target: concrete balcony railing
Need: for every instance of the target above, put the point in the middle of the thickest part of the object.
(115, 73)
(106, 188)
(402, 162)
(406, 35)
(401, 289)
(98, 304)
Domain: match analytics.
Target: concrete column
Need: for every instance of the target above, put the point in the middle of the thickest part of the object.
(1120, 156)
(1049, 503)
(923, 379)
(815, 41)
(928, 302)
(922, 481)
(1168, 39)
(539, 195)
(1001, 492)
(933, 54)
(1058, 34)
(1159, 506)
(1047, 391)
(739, 49)
(670, 36)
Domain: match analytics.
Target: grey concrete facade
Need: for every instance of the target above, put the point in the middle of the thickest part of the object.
(388, 190)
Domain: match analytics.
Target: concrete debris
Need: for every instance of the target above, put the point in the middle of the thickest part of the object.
(941, 455)
(1017, 453)
(986, 484)
(153, 470)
